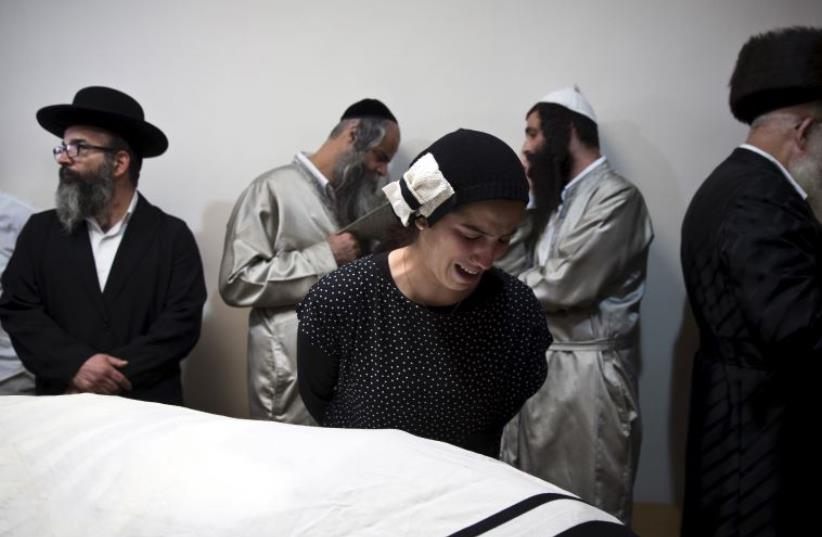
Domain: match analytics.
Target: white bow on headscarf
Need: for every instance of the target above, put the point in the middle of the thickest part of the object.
(426, 185)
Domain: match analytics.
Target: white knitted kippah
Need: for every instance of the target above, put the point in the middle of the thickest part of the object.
(571, 98)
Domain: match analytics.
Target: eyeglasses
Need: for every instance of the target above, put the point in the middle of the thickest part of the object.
(73, 150)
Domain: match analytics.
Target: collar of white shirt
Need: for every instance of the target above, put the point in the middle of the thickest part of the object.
(322, 182)
(581, 175)
(104, 245)
(93, 226)
(779, 165)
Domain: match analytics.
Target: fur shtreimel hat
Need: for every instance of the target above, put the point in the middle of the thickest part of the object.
(107, 109)
(777, 69)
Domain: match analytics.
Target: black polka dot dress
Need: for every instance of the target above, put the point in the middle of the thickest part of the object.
(371, 358)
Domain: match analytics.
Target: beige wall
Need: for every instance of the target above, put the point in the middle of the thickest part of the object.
(239, 86)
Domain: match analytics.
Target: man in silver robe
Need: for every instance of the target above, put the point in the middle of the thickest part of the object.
(15, 379)
(583, 251)
(284, 235)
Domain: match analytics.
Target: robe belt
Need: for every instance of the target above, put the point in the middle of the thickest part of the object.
(594, 345)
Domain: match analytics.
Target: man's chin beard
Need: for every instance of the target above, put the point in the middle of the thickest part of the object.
(548, 175)
(81, 196)
(807, 171)
(354, 187)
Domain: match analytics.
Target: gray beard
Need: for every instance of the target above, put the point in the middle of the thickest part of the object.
(81, 196)
(355, 187)
(808, 173)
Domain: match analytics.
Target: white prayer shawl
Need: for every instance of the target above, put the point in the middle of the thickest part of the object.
(89, 465)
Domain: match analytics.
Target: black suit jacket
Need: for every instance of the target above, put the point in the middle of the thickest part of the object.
(752, 261)
(149, 312)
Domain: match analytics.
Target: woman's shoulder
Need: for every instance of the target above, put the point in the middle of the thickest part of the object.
(351, 279)
(524, 310)
(517, 295)
(363, 269)
(508, 283)
(345, 291)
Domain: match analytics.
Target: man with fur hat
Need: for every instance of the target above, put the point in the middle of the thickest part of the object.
(752, 261)
(104, 294)
(283, 236)
(583, 251)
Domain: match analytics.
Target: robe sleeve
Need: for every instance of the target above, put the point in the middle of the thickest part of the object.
(176, 328)
(45, 348)
(256, 269)
(773, 253)
(609, 236)
(516, 258)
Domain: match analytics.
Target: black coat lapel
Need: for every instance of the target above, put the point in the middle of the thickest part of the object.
(79, 248)
(139, 236)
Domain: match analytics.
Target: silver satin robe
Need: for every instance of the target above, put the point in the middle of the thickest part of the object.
(275, 250)
(582, 430)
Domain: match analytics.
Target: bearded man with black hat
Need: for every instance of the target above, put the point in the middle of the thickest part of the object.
(104, 294)
(584, 252)
(283, 236)
(752, 261)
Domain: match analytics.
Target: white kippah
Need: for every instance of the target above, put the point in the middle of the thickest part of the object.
(572, 99)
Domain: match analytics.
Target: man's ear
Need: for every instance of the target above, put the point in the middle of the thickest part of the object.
(802, 132)
(421, 223)
(573, 137)
(122, 161)
(351, 132)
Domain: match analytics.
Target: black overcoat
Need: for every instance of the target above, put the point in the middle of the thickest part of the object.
(149, 312)
(752, 261)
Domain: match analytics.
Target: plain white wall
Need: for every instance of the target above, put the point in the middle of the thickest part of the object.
(239, 86)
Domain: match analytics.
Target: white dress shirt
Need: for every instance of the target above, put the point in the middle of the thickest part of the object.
(104, 244)
(326, 190)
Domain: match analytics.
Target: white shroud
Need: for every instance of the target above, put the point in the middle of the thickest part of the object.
(88, 465)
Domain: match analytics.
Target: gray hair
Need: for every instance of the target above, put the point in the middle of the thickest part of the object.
(786, 119)
(356, 187)
(369, 131)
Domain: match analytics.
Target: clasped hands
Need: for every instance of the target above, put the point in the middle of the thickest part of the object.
(100, 374)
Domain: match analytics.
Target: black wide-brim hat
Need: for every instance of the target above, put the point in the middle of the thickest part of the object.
(108, 109)
(777, 69)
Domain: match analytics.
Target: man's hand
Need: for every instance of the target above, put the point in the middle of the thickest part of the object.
(345, 247)
(100, 374)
